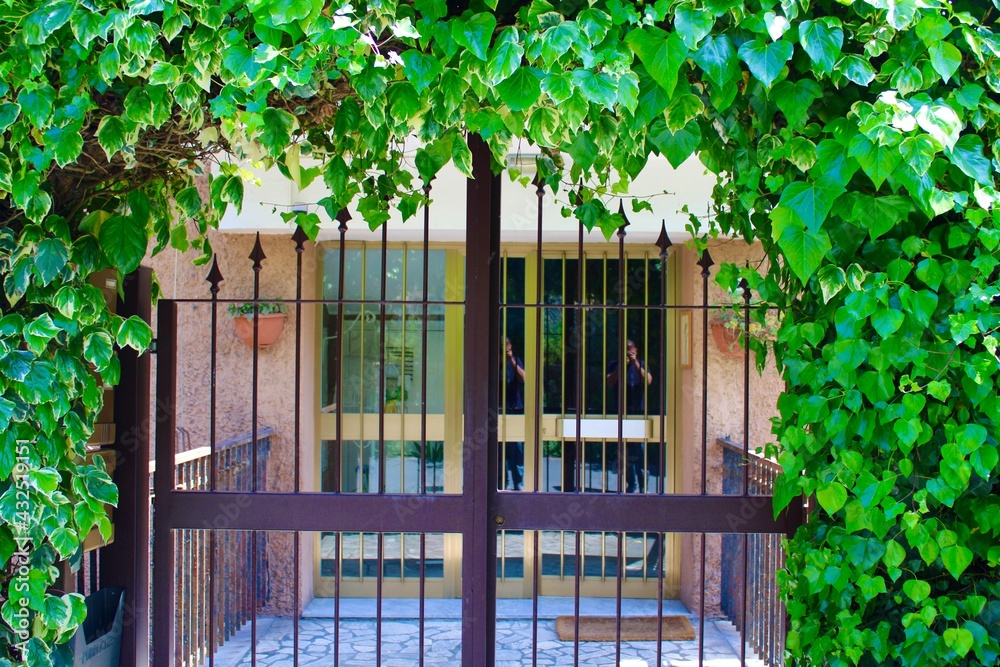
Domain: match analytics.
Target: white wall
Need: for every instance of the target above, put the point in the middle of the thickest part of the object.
(690, 185)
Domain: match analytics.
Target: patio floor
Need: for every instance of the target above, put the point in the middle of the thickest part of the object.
(443, 632)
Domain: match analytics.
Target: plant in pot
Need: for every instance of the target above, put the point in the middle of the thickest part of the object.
(729, 326)
(270, 321)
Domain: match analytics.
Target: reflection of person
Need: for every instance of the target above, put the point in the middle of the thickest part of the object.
(513, 459)
(636, 379)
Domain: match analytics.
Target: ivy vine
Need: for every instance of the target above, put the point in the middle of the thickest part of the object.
(856, 141)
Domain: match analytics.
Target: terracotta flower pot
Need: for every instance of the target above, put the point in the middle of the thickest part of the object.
(268, 329)
(727, 339)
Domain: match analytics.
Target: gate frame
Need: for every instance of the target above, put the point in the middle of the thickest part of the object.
(478, 513)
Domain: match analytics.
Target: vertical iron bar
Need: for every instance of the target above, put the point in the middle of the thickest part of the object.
(343, 217)
(300, 238)
(622, 367)
(620, 575)
(337, 574)
(580, 315)
(482, 350)
(423, 356)
(423, 594)
(257, 255)
(164, 629)
(380, 563)
(581, 546)
(705, 263)
(539, 349)
(746, 458)
(664, 244)
(535, 581)
(381, 362)
(661, 540)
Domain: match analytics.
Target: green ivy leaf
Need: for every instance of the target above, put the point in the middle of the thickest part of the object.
(832, 280)
(864, 552)
(945, 59)
(123, 242)
(831, 496)
(856, 69)
(956, 559)
(597, 87)
(51, 257)
(804, 248)
(887, 322)
(880, 214)
(916, 590)
(277, 132)
(420, 70)
(941, 122)
(794, 99)
(967, 154)
(766, 60)
(134, 333)
(822, 39)
(44, 21)
(9, 112)
(682, 110)
(662, 54)
(109, 63)
(521, 90)
(98, 349)
(505, 56)
(958, 640)
(111, 135)
(475, 34)
(693, 24)
(919, 152)
(65, 143)
(717, 59)
(677, 147)
(879, 162)
(810, 202)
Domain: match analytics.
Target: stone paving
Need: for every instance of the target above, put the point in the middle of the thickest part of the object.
(443, 642)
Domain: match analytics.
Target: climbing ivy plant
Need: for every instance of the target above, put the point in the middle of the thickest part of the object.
(856, 141)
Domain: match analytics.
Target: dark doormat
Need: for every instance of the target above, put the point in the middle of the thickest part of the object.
(634, 629)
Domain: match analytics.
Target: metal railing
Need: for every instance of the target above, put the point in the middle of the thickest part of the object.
(749, 565)
(229, 554)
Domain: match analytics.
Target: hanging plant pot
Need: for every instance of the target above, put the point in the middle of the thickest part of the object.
(727, 339)
(269, 327)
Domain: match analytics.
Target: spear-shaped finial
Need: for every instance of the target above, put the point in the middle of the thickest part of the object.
(257, 254)
(626, 223)
(663, 241)
(214, 276)
(705, 263)
(343, 217)
(300, 237)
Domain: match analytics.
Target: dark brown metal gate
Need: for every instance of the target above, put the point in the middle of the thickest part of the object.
(188, 513)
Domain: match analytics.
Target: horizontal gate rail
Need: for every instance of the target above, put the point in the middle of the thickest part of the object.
(227, 510)
(643, 513)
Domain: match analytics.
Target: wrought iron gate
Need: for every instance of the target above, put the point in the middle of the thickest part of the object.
(209, 512)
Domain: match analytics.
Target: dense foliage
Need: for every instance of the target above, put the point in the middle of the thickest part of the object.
(856, 140)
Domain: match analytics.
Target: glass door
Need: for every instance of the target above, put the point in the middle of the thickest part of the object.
(577, 354)
(398, 406)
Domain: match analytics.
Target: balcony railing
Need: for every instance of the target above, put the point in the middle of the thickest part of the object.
(234, 551)
(765, 555)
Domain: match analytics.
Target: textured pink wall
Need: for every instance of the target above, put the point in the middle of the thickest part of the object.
(234, 380)
(724, 415)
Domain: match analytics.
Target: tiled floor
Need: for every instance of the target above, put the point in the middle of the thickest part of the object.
(356, 637)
